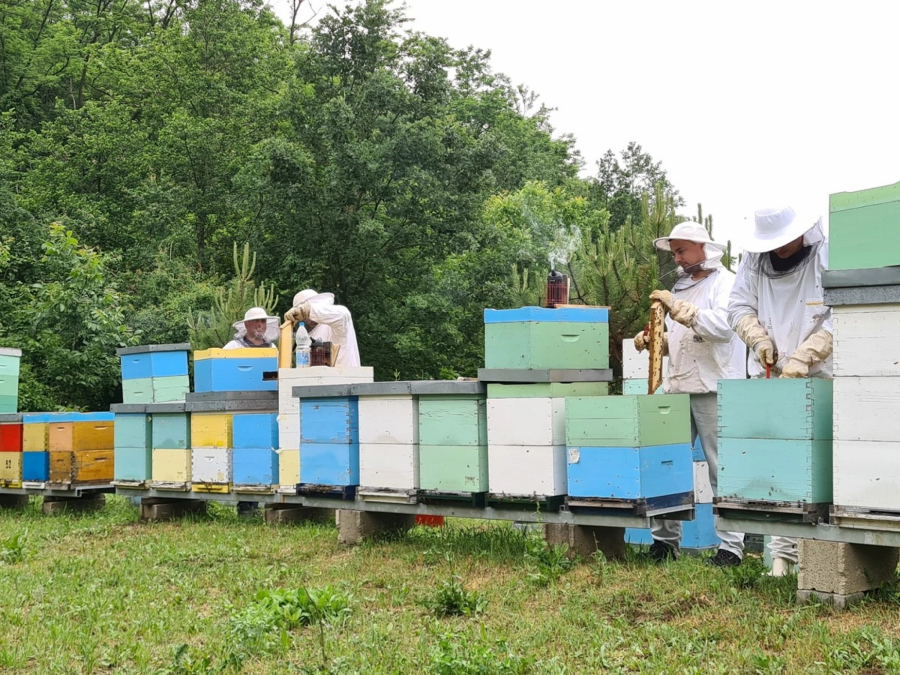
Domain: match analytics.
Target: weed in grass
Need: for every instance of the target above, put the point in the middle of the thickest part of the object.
(457, 654)
(547, 562)
(749, 574)
(12, 549)
(766, 664)
(867, 649)
(452, 599)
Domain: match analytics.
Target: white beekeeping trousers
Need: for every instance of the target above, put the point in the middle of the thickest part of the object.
(705, 424)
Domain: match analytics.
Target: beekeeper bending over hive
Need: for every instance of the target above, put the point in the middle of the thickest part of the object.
(256, 329)
(327, 322)
(777, 308)
(702, 349)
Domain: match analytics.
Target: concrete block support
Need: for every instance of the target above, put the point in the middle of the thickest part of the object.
(585, 540)
(841, 573)
(73, 504)
(281, 514)
(13, 501)
(158, 508)
(354, 526)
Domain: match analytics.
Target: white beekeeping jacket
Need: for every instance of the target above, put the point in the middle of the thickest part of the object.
(335, 325)
(790, 307)
(710, 351)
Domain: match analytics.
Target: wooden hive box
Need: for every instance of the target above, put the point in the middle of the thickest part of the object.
(535, 338)
(865, 474)
(867, 409)
(776, 409)
(9, 379)
(137, 391)
(154, 361)
(211, 430)
(212, 469)
(255, 467)
(628, 421)
(255, 430)
(10, 437)
(35, 432)
(133, 458)
(36, 466)
(547, 390)
(289, 470)
(11, 470)
(329, 441)
(630, 473)
(453, 454)
(865, 341)
(172, 430)
(696, 534)
(389, 442)
(171, 468)
(234, 369)
(334, 464)
(169, 389)
(864, 228)
(82, 467)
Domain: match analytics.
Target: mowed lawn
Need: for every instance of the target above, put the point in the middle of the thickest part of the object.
(104, 592)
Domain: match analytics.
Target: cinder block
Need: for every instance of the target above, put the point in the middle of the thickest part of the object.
(844, 569)
(170, 509)
(585, 540)
(73, 504)
(284, 514)
(355, 526)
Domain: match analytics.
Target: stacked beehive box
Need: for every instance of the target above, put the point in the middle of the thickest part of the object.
(630, 449)
(134, 450)
(289, 412)
(171, 435)
(699, 533)
(863, 289)
(82, 449)
(534, 358)
(255, 461)
(9, 379)
(775, 442)
(329, 440)
(218, 370)
(10, 450)
(154, 373)
(35, 449)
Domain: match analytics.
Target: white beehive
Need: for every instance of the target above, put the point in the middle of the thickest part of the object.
(865, 341)
(524, 470)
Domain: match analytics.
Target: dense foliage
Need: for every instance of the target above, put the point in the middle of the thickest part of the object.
(140, 142)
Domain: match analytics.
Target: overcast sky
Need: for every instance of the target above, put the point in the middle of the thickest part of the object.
(746, 104)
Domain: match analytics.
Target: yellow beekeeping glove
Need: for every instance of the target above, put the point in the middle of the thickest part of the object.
(682, 311)
(750, 330)
(815, 349)
(298, 313)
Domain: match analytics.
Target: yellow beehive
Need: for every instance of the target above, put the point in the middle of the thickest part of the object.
(172, 466)
(211, 430)
(288, 467)
(10, 469)
(60, 436)
(35, 437)
(93, 436)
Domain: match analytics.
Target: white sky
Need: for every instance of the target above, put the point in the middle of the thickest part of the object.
(747, 104)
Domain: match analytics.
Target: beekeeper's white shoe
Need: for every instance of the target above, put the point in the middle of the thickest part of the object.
(781, 567)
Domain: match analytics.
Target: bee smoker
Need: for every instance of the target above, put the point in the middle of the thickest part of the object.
(557, 289)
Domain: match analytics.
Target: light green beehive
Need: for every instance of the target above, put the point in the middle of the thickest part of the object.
(453, 443)
(864, 228)
(9, 379)
(547, 390)
(628, 421)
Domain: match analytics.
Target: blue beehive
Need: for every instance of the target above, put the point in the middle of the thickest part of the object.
(234, 369)
(630, 473)
(154, 364)
(329, 441)
(36, 466)
(255, 466)
(255, 430)
(699, 533)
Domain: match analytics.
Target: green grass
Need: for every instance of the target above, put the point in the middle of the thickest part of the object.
(104, 592)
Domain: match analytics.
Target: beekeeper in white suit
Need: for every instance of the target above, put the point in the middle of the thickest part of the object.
(327, 322)
(256, 329)
(777, 307)
(702, 349)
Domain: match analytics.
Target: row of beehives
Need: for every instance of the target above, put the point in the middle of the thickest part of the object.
(699, 533)
(56, 449)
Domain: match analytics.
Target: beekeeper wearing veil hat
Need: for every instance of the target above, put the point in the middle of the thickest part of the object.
(702, 350)
(327, 322)
(256, 329)
(777, 308)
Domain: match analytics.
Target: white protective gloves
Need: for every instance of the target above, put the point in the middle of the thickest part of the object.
(750, 330)
(682, 311)
(298, 313)
(815, 349)
(642, 342)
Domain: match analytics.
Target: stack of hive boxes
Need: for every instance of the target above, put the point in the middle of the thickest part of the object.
(329, 440)
(10, 450)
(289, 412)
(862, 285)
(630, 449)
(255, 463)
(82, 449)
(699, 533)
(170, 443)
(35, 449)
(9, 380)
(775, 442)
(453, 452)
(154, 373)
(228, 384)
(534, 358)
(154, 382)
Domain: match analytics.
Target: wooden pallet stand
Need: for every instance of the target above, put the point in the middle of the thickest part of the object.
(255, 489)
(387, 495)
(544, 503)
(786, 512)
(476, 500)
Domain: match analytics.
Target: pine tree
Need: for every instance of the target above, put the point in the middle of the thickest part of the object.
(213, 327)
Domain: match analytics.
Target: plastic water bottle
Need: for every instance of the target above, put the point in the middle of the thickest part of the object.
(303, 345)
